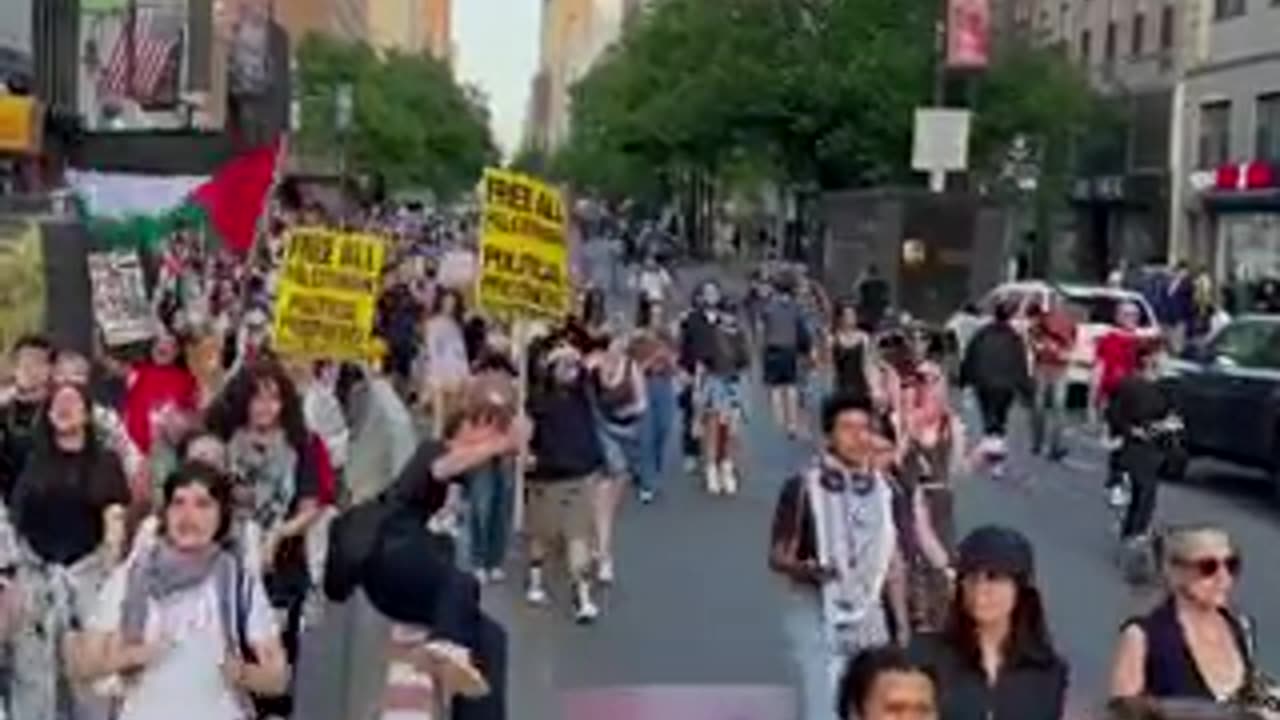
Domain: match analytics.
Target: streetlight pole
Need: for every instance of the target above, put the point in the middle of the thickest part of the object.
(344, 104)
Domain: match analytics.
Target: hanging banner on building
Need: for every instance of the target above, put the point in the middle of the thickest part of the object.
(968, 34)
(120, 305)
(524, 248)
(22, 281)
(327, 293)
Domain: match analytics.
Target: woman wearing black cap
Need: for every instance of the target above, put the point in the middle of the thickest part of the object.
(995, 659)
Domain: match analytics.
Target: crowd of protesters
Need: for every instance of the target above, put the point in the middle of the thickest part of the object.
(174, 518)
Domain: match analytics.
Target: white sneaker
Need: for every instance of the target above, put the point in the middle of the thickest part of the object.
(536, 592)
(585, 610)
(481, 575)
(728, 478)
(646, 497)
(690, 465)
(496, 575)
(605, 571)
(713, 479)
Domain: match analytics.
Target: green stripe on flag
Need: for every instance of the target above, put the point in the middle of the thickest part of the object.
(103, 6)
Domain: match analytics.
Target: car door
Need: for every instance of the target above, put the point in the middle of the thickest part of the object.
(1247, 396)
(1213, 394)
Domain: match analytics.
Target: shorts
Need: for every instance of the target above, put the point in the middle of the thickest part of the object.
(781, 366)
(560, 508)
(621, 447)
(720, 395)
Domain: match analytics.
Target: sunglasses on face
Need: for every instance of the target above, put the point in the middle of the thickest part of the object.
(1210, 566)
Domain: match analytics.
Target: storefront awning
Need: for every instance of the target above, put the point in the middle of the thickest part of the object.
(1265, 200)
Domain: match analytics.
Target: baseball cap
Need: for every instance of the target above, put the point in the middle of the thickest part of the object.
(996, 549)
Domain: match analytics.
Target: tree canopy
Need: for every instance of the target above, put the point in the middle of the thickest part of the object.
(412, 124)
(813, 92)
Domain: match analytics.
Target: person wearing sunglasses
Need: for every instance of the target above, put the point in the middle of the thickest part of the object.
(1193, 645)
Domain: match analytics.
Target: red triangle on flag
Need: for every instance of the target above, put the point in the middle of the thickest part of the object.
(236, 196)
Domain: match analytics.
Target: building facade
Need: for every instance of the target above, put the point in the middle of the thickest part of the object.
(346, 19)
(574, 35)
(438, 28)
(1230, 200)
(1135, 52)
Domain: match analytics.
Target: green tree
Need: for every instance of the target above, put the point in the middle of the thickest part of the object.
(412, 123)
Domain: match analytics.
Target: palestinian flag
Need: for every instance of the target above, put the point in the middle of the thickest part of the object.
(130, 211)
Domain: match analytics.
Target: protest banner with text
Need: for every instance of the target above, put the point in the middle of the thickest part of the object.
(120, 303)
(327, 293)
(524, 248)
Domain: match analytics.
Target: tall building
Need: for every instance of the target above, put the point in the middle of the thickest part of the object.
(396, 24)
(574, 35)
(438, 28)
(346, 19)
(1136, 52)
(1228, 212)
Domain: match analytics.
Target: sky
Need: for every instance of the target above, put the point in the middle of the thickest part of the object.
(497, 44)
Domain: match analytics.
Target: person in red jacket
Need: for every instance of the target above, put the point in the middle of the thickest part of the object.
(155, 386)
(1116, 358)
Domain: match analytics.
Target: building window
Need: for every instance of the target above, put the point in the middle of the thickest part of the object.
(1268, 119)
(1166, 27)
(1227, 9)
(1109, 50)
(1086, 40)
(1136, 33)
(1215, 134)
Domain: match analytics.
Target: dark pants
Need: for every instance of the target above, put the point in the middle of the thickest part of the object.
(1141, 460)
(993, 405)
(287, 588)
(688, 438)
(411, 579)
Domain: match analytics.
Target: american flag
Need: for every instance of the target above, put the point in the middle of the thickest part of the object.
(152, 48)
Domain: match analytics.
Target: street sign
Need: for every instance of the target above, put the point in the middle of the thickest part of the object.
(941, 143)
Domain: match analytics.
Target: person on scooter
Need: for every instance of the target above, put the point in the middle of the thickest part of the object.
(1141, 416)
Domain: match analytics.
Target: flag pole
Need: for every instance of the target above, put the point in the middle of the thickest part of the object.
(131, 61)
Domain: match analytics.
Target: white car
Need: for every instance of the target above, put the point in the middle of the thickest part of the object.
(1093, 306)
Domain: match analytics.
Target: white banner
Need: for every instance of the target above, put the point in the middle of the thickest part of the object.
(123, 194)
(120, 304)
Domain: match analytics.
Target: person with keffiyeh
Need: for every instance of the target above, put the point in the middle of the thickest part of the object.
(185, 622)
(834, 540)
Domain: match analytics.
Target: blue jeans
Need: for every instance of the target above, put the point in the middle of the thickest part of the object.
(489, 494)
(655, 430)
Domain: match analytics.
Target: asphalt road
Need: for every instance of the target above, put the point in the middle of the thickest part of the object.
(695, 605)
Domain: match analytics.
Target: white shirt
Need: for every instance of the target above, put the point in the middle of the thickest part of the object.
(189, 675)
(654, 283)
(446, 352)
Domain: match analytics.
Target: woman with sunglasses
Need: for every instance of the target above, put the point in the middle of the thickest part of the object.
(1192, 645)
(995, 658)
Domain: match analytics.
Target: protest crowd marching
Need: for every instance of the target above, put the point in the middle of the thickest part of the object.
(179, 505)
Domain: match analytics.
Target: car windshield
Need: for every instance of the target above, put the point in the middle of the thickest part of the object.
(1103, 308)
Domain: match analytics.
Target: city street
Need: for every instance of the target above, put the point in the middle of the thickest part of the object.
(696, 605)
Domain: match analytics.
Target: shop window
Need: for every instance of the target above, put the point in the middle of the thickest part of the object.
(1166, 27)
(1215, 134)
(1268, 119)
(1227, 9)
(1136, 34)
(1110, 48)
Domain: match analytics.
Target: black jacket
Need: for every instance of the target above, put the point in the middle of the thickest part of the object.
(1136, 402)
(997, 359)
(1032, 686)
(566, 441)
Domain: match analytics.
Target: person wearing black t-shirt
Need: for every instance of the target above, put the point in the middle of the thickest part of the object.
(20, 409)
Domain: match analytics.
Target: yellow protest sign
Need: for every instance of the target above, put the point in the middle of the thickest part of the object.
(524, 248)
(327, 293)
(22, 281)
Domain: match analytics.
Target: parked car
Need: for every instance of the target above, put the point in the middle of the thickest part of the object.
(1093, 306)
(1227, 390)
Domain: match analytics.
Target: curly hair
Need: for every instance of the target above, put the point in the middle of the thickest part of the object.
(231, 411)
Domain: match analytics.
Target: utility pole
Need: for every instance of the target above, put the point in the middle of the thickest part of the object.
(343, 108)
